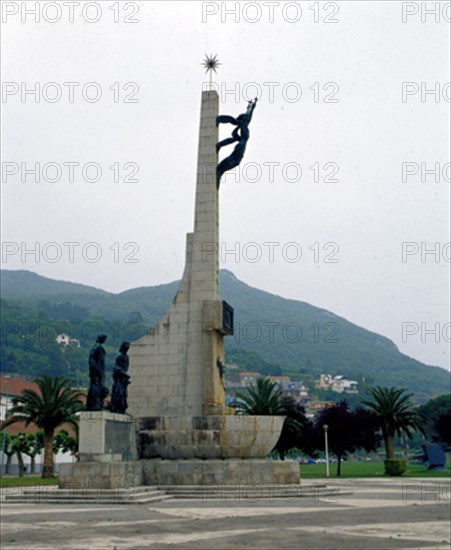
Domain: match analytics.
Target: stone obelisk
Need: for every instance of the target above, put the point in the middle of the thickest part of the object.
(176, 370)
(176, 395)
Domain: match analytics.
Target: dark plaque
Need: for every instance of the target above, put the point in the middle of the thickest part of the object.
(227, 318)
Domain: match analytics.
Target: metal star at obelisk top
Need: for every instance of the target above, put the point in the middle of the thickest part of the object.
(211, 63)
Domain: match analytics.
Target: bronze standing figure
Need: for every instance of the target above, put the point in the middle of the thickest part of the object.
(120, 380)
(97, 390)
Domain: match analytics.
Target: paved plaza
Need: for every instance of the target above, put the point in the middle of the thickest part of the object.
(379, 514)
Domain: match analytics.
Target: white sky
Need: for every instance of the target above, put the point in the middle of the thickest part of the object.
(367, 134)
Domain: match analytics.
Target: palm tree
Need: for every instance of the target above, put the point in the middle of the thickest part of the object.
(262, 399)
(397, 414)
(56, 404)
(266, 399)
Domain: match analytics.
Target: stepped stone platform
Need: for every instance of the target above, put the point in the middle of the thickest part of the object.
(226, 492)
(87, 495)
(253, 492)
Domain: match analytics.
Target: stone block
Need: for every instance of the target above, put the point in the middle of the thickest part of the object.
(105, 433)
(253, 474)
(101, 475)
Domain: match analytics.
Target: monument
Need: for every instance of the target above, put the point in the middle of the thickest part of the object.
(185, 435)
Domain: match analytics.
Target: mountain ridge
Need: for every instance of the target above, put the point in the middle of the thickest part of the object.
(286, 335)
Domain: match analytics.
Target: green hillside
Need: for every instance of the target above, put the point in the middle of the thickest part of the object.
(25, 285)
(308, 340)
(273, 335)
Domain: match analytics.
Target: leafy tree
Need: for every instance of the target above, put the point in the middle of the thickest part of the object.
(347, 430)
(396, 414)
(433, 410)
(298, 431)
(20, 448)
(34, 444)
(56, 404)
(9, 449)
(366, 429)
(290, 435)
(339, 437)
(442, 428)
(63, 442)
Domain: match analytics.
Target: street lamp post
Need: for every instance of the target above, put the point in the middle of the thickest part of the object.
(326, 445)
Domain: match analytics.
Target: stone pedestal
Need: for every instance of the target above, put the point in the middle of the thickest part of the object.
(104, 434)
(107, 453)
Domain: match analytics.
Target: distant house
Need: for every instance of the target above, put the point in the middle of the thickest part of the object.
(303, 391)
(339, 384)
(343, 385)
(282, 381)
(248, 378)
(11, 387)
(297, 390)
(66, 340)
(324, 381)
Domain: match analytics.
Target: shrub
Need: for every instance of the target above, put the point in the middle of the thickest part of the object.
(395, 466)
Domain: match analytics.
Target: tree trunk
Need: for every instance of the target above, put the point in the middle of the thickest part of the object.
(9, 458)
(390, 445)
(47, 470)
(338, 465)
(33, 464)
(20, 463)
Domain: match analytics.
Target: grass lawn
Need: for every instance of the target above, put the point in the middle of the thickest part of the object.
(27, 481)
(367, 469)
(308, 471)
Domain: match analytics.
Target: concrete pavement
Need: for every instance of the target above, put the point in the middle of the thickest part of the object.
(380, 513)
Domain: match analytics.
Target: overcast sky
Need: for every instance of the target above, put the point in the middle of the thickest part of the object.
(353, 115)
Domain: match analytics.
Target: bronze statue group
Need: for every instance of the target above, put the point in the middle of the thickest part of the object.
(97, 390)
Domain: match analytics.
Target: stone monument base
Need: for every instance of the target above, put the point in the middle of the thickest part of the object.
(192, 471)
(202, 451)
(100, 475)
(107, 453)
(232, 471)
